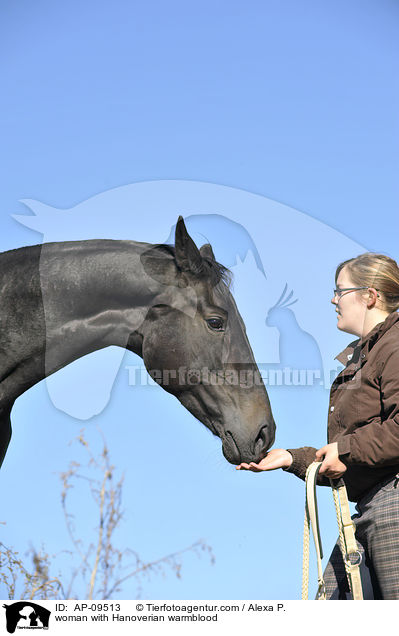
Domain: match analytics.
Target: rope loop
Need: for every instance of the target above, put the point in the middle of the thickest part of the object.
(347, 540)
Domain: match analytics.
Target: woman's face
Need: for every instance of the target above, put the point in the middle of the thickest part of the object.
(351, 306)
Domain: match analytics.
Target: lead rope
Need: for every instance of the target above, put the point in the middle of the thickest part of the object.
(347, 538)
(312, 520)
(350, 553)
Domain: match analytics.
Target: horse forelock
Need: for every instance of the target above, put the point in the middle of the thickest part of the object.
(214, 272)
(218, 273)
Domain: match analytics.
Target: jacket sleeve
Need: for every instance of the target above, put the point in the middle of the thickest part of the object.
(301, 459)
(377, 443)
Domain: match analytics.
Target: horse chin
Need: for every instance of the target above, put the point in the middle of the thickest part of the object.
(230, 450)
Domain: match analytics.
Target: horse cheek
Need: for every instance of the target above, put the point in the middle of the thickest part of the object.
(163, 351)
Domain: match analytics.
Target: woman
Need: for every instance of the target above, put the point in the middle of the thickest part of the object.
(363, 422)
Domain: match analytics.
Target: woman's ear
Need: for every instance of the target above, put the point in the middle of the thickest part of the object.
(373, 295)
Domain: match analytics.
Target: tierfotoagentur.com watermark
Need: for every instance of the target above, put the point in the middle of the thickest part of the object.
(243, 378)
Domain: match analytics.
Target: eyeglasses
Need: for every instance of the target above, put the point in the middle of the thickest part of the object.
(339, 292)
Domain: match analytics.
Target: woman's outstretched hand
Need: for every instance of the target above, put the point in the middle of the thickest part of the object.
(276, 458)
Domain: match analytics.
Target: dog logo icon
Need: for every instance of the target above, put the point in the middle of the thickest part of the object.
(26, 615)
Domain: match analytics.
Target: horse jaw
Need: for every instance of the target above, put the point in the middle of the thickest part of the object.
(227, 424)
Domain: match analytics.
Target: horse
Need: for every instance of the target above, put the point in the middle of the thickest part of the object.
(169, 304)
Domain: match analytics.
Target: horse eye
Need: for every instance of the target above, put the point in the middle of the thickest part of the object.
(216, 324)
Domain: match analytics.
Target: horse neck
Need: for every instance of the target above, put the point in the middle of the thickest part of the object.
(61, 301)
(95, 290)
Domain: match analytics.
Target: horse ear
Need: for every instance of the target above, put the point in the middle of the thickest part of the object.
(206, 251)
(188, 256)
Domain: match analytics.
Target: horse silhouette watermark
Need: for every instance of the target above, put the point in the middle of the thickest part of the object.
(266, 244)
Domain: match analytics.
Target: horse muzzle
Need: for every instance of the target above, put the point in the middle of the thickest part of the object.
(236, 450)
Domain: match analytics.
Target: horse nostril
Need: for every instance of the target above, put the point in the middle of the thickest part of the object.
(263, 442)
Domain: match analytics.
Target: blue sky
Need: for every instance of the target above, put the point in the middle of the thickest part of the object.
(295, 102)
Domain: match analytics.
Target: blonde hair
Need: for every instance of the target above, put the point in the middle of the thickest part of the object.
(378, 271)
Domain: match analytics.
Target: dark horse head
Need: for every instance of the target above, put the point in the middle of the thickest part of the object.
(194, 345)
(171, 305)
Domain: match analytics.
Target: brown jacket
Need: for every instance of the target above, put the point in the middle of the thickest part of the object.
(363, 412)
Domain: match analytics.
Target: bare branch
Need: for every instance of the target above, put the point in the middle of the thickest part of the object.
(102, 566)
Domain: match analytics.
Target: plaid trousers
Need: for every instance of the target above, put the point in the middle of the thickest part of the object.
(377, 535)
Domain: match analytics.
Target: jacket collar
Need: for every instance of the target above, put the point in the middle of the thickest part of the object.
(367, 343)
